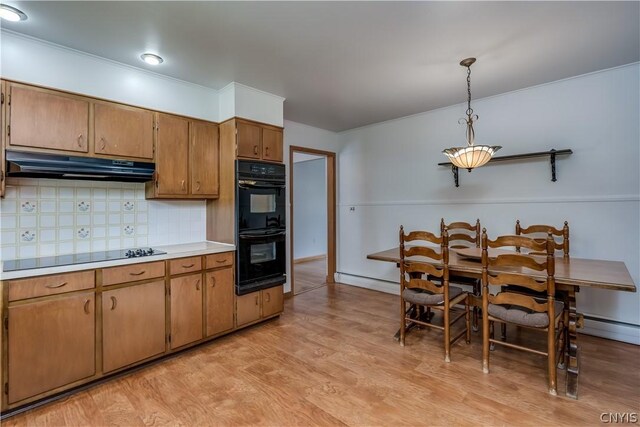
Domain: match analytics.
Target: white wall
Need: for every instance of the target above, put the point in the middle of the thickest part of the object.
(243, 101)
(300, 135)
(310, 208)
(388, 173)
(38, 62)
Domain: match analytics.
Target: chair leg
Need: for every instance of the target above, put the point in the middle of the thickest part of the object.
(467, 318)
(485, 342)
(447, 334)
(492, 346)
(551, 362)
(403, 322)
(503, 331)
(476, 310)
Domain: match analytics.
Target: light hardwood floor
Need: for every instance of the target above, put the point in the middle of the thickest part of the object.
(310, 275)
(330, 359)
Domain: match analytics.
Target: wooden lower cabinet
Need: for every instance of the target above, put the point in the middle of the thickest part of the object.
(272, 301)
(258, 305)
(51, 343)
(133, 324)
(219, 300)
(186, 310)
(247, 308)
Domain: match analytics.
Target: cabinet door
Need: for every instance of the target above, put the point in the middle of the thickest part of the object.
(272, 144)
(2, 138)
(133, 324)
(51, 344)
(219, 301)
(172, 156)
(204, 156)
(249, 140)
(123, 131)
(186, 310)
(272, 301)
(46, 119)
(247, 308)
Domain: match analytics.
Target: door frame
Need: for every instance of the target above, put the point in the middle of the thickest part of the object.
(331, 211)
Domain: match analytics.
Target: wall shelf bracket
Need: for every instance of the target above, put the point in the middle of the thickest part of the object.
(551, 153)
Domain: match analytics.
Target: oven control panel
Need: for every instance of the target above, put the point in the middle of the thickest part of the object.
(250, 169)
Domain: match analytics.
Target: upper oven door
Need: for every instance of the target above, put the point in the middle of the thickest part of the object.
(261, 204)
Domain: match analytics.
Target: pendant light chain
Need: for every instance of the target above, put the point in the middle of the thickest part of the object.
(469, 109)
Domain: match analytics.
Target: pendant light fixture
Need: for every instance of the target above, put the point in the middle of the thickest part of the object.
(471, 156)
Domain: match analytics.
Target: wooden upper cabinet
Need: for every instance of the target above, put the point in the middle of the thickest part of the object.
(172, 156)
(256, 141)
(51, 344)
(187, 159)
(123, 131)
(40, 118)
(249, 140)
(272, 144)
(204, 161)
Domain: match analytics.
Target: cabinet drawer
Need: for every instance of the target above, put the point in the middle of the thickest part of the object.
(220, 260)
(132, 273)
(185, 265)
(50, 285)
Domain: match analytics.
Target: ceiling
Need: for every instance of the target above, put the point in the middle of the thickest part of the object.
(342, 65)
(304, 157)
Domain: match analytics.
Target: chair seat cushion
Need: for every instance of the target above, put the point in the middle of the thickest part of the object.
(523, 316)
(422, 297)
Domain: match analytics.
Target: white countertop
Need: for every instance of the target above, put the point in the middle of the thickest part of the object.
(172, 251)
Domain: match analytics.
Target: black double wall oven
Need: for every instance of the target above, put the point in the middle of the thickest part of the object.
(260, 199)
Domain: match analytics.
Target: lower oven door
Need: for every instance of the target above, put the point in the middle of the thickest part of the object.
(261, 260)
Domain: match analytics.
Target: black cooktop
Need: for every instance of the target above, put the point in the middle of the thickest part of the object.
(59, 260)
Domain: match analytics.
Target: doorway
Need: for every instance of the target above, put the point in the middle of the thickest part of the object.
(312, 232)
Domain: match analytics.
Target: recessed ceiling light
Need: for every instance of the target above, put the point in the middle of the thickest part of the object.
(151, 59)
(11, 13)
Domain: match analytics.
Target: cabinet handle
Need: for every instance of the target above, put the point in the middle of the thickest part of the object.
(257, 300)
(197, 185)
(188, 266)
(80, 144)
(255, 150)
(198, 285)
(86, 306)
(114, 303)
(220, 261)
(56, 286)
(266, 151)
(138, 274)
(213, 282)
(182, 184)
(268, 297)
(103, 143)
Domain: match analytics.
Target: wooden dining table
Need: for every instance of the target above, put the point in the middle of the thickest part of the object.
(571, 274)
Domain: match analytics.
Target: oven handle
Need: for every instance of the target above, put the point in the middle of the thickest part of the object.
(252, 184)
(261, 236)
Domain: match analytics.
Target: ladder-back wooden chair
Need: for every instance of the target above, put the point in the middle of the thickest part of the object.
(517, 308)
(465, 235)
(539, 232)
(417, 289)
(462, 234)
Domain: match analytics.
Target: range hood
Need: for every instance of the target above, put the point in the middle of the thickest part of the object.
(42, 165)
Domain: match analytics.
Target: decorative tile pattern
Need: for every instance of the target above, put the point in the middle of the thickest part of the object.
(46, 217)
(40, 217)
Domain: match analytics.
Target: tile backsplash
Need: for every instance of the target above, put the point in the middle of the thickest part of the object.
(44, 217)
